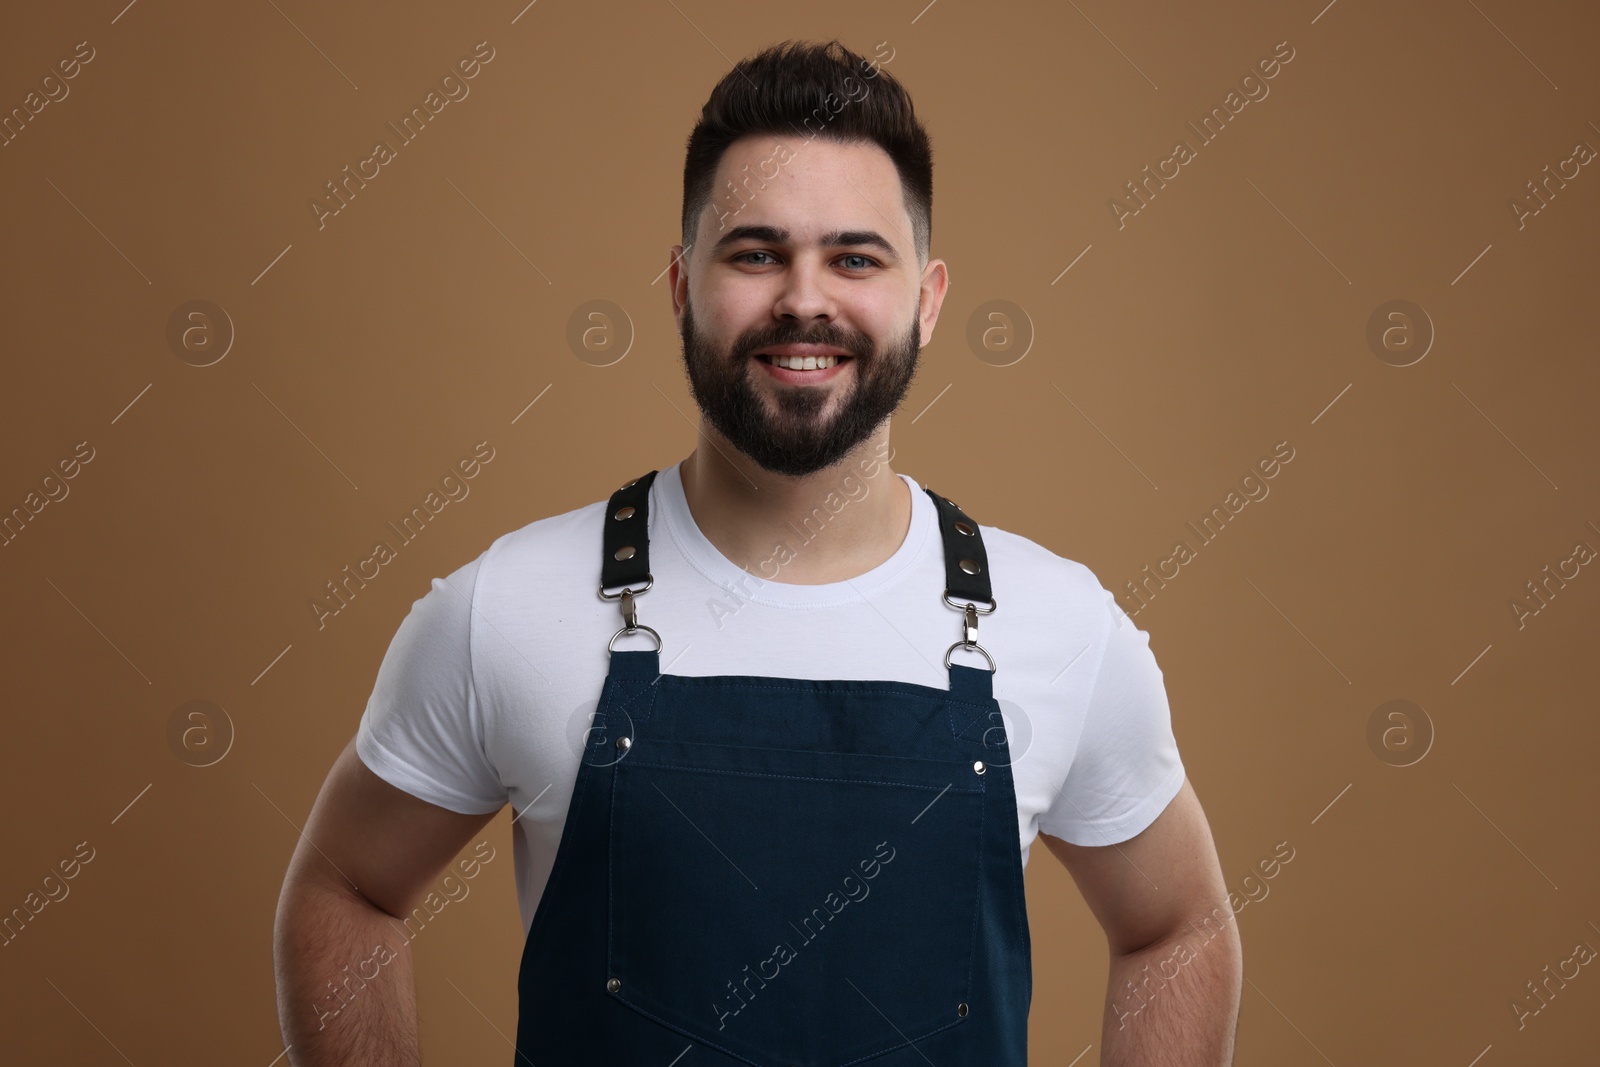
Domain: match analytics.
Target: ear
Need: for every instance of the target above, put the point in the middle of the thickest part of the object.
(935, 283)
(678, 283)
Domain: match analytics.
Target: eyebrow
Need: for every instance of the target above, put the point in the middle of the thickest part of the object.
(777, 235)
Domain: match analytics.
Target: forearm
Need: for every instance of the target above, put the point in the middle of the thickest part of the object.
(346, 995)
(1175, 1003)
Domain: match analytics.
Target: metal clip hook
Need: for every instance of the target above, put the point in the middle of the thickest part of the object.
(969, 630)
(630, 613)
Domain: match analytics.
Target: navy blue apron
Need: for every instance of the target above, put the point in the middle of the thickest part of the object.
(783, 872)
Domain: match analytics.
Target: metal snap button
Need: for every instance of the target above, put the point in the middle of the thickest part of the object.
(623, 744)
(961, 1009)
(963, 528)
(623, 513)
(613, 984)
(979, 767)
(970, 566)
(625, 552)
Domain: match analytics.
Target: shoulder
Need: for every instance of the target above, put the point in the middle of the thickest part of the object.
(526, 561)
(1051, 601)
(1020, 561)
(553, 543)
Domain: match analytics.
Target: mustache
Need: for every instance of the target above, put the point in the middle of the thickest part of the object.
(858, 345)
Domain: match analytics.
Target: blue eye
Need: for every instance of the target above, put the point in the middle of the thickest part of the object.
(866, 262)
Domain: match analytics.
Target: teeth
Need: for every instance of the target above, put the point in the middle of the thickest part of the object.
(803, 362)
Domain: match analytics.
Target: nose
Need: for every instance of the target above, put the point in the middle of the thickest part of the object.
(807, 292)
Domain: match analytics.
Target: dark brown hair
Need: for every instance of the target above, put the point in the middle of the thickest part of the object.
(807, 90)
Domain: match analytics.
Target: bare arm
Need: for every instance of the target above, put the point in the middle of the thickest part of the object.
(1176, 962)
(346, 995)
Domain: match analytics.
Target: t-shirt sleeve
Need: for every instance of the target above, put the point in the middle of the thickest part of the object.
(1126, 769)
(422, 730)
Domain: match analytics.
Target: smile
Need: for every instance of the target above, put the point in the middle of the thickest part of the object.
(809, 370)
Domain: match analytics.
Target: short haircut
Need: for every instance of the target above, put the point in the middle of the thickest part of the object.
(811, 90)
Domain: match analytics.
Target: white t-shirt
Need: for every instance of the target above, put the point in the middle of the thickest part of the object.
(488, 686)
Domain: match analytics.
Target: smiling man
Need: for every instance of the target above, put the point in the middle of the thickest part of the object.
(794, 833)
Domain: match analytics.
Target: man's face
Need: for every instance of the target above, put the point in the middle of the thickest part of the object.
(817, 252)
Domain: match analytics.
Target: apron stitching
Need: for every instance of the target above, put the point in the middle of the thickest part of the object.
(961, 734)
(870, 686)
(675, 1027)
(808, 778)
(743, 750)
(909, 1042)
(611, 872)
(978, 901)
(643, 690)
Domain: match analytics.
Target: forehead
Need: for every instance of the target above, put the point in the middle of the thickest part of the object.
(809, 187)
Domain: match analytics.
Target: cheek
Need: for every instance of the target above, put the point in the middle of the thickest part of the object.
(883, 320)
(725, 311)
(722, 333)
(741, 313)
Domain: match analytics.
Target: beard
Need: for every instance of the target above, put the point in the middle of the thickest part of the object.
(797, 439)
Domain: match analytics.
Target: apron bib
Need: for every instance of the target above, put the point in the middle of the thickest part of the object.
(783, 872)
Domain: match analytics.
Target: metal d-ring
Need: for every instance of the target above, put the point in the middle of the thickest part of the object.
(963, 644)
(642, 626)
(630, 614)
(963, 607)
(649, 580)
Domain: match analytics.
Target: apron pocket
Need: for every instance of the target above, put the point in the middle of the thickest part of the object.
(794, 907)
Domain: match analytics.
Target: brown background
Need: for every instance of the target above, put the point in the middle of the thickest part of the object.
(1230, 314)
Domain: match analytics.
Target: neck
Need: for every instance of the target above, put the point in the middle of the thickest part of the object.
(813, 529)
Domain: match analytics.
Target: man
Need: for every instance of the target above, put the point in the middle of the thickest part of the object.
(801, 840)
